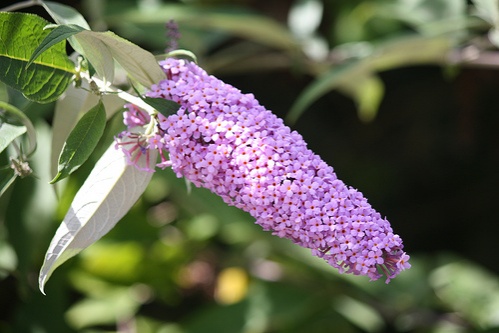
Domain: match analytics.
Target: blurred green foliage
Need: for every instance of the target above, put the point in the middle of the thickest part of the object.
(183, 262)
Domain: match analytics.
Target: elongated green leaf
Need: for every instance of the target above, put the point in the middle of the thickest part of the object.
(56, 35)
(247, 25)
(163, 106)
(107, 195)
(19, 116)
(68, 109)
(81, 141)
(63, 14)
(356, 77)
(100, 48)
(9, 133)
(327, 82)
(47, 78)
(7, 177)
(367, 92)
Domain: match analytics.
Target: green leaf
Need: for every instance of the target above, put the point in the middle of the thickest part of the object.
(323, 84)
(257, 28)
(63, 14)
(56, 35)
(356, 77)
(101, 47)
(48, 77)
(81, 141)
(163, 106)
(467, 289)
(7, 177)
(14, 113)
(488, 10)
(68, 109)
(367, 91)
(180, 54)
(9, 133)
(4, 94)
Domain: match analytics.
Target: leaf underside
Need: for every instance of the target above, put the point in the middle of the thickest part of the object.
(107, 195)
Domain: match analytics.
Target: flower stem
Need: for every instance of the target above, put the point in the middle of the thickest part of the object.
(105, 88)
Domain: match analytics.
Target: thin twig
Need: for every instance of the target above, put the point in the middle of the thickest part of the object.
(21, 5)
(474, 57)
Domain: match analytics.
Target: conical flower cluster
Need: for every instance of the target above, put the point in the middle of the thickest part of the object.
(225, 141)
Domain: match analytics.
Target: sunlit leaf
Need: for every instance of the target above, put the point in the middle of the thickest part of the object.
(97, 54)
(109, 192)
(81, 141)
(63, 14)
(101, 47)
(47, 78)
(488, 10)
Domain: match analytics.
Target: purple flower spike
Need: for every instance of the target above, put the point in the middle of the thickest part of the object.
(225, 141)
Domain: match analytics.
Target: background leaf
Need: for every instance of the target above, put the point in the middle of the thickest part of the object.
(109, 192)
(355, 78)
(488, 10)
(235, 22)
(48, 77)
(81, 141)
